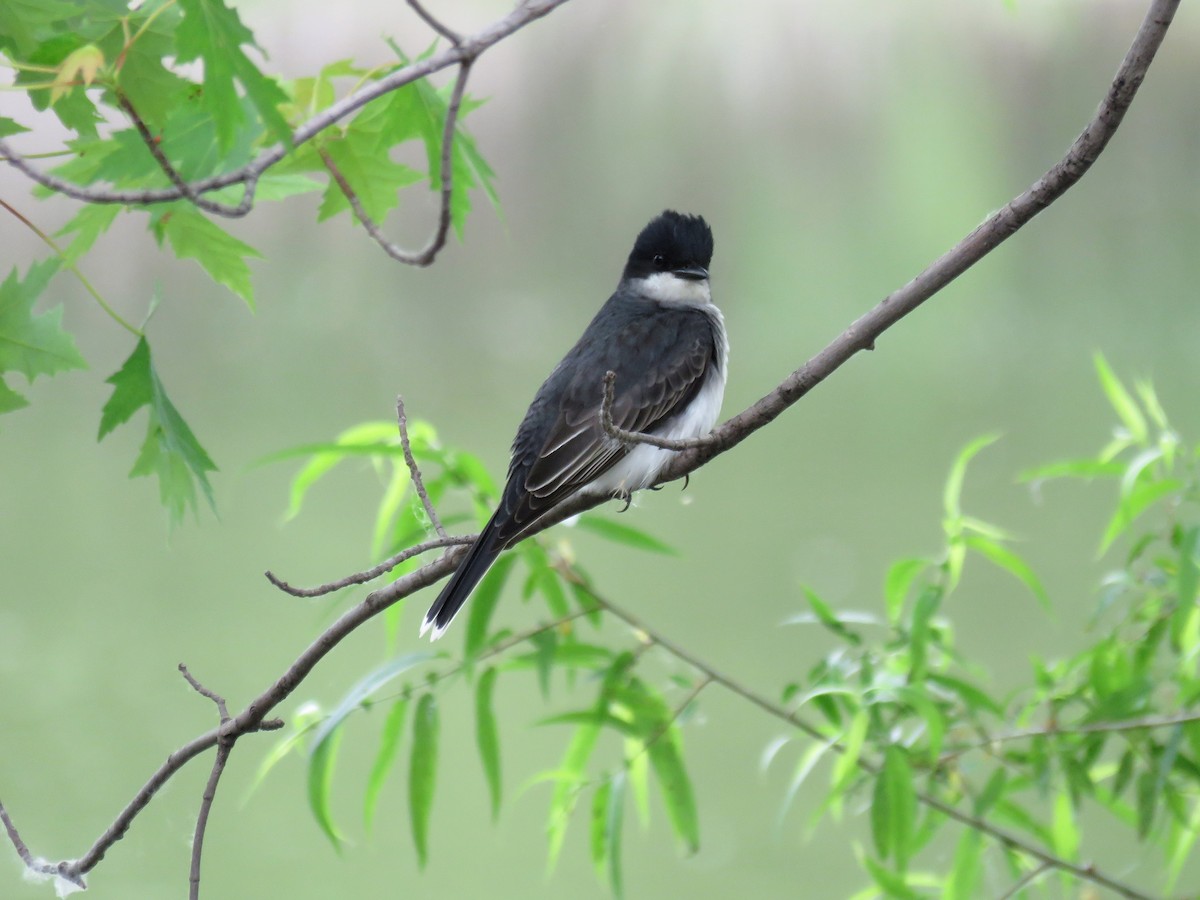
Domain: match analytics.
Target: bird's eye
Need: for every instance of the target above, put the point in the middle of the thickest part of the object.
(660, 261)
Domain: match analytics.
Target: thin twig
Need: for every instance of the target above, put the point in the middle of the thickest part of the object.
(638, 437)
(1025, 881)
(1055, 729)
(375, 571)
(153, 145)
(224, 746)
(469, 49)
(428, 18)
(200, 689)
(427, 255)
(41, 867)
(414, 470)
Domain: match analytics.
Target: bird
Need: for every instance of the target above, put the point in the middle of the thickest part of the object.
(665, 341)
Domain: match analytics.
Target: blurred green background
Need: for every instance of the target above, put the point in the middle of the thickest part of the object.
(835, 149)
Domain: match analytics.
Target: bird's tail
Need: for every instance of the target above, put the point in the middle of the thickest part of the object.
(478, 560)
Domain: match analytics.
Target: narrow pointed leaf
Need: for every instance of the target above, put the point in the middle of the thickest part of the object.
(422, 773)
(483, 604)
(1010, 562)
(1122, 403)
(667, 760)
(320, 785)
(385, 757)
(487, 736)
(621, 533)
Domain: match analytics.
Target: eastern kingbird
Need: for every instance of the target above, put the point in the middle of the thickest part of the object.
(665, 340)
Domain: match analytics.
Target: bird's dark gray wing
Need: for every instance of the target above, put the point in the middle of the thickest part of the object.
(661, 358)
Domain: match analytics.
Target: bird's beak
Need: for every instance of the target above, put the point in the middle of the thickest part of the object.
(691, 273)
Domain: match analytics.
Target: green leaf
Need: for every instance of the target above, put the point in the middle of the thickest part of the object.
(366, 687)
(320, 784)
(894, 807)
(963, 883)
(305, 720)
(972, 696)
(9, 127)
(487, 736)
(366, 439)
(935, 721)
(667, 760)
(1140, 499)
(830, 619)
(613, 822)
(1063, 830)
(483, 604)
(1122, 403)
(846, 766)
(992, 791)
(422, 772)
(928, 602)
(33, 344)
(212, 32)
(599, 831)
(88, 223)
(10, 399)
(389, 743)
(193, 236)
(637, 768)
(170, 450)
(620, 533)
(567, 782)
(900, 577)
(373, 177)
(1010, 562)
(952, 493)
(892, 884)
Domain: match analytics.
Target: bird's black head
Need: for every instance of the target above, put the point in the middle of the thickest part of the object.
(675, 244)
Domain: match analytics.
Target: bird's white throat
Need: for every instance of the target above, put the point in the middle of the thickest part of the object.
(667, 287)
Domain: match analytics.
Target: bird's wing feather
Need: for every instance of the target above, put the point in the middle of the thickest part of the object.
(661, 362)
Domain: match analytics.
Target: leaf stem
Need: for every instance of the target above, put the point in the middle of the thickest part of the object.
(113, 314)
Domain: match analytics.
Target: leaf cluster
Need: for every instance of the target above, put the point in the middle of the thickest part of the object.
(174, 91)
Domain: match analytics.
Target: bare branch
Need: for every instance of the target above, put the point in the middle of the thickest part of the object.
(414, 470)
(200, 689)
(428, 18)
(427, 255)
(1026, 880)
(638, 437)
(224, 747)
(152, 144)
(467, 51)
(375, 571)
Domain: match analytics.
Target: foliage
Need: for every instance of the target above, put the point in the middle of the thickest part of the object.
(139, 114)
(905, 727)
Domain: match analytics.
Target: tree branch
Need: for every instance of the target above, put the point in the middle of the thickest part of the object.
(426, 256)
(414, 470)
(375, 571)
(860, 335)
(465, 51)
